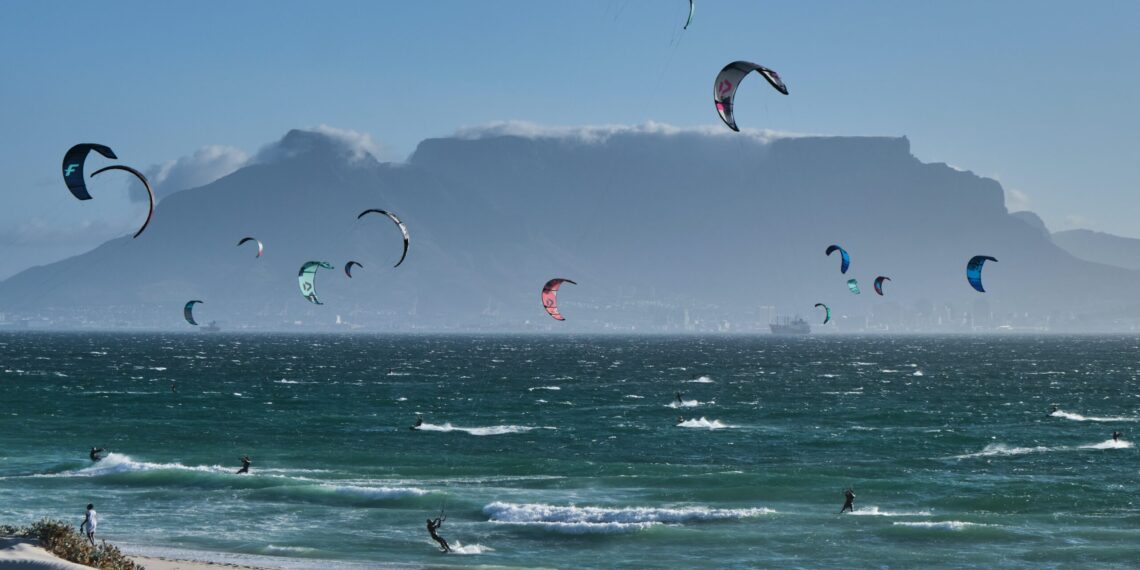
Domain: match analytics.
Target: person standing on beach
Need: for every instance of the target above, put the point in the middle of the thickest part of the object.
(89, 523)
(244, 465)
(432, 526)
(849, 503)
(95, 451)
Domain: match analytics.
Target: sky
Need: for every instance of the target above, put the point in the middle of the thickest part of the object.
(1039, 95)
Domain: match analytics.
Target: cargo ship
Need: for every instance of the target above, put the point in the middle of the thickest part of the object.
(790, 326)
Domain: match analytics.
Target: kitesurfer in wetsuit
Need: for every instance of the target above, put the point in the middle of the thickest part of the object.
(849, 503)
(245, 461)
(95, 453)
(1054, 410)
(419, 422)
(680, 420)
(1116, 436)
(679, 400)
(432, 526)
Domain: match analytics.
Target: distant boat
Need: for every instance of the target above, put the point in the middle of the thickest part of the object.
(791, 326)
(212, 327)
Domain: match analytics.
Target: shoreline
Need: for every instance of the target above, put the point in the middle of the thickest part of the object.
(24, 553)
(165, 563)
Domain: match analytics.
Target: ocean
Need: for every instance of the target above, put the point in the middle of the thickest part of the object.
(566, 451)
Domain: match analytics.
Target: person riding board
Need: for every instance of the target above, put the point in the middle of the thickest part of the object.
(849, 502)
(1116, 435)
(419, 422)
(245, 461)
(95, 451)
(432, 526)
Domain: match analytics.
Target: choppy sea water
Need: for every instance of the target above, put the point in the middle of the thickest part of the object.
(566, 452)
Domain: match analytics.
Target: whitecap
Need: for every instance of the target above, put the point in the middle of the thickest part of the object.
(703, 423)
(582, 520)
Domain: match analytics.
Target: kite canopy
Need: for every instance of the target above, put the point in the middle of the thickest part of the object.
(307, 279)
(399, 224)
(692, 8)
(727, 81)
(974, 271)
(879, 284)
(853, 285)
(73, 167)
(827, 312)
(845, 260)
(146, 184)
(188, 312)
(348, 268)
(550, 297)
(260, 248)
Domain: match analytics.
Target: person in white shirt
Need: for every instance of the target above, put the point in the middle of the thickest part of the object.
(89, 523)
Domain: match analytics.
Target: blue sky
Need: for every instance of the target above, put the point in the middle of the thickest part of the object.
(1040, 95)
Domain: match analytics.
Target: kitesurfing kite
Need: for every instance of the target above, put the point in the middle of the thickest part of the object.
(348, 268)
(974, 271)
(188, 312)
(844, 259)
(692, 8)
(73, 167)
(853, 285)
(146, 184)
(550, 297)
(727, 81)
(307, 279)
(827, 312)
(260, 248)
(399, 224)
(879, 284)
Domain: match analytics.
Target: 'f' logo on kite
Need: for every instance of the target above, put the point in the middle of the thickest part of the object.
(725, 86)
(70, 168)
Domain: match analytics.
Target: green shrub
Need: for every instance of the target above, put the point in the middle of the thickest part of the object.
(64, 541)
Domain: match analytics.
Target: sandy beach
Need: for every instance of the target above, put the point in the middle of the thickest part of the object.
(152, 563)
(25, 554)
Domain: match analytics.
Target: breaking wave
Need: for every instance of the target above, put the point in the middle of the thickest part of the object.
(603, 520)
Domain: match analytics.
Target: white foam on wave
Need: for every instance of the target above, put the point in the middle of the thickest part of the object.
(1079, 418)
(487, 430)
(377, 492)
(1109, 444)
(872, 511)
(458, 548)
(918, 373)
(685, 404)
(604, 520)
(703, 423)
(941, 525)
(119, 463)
(634, 397)
(290, 549)
(1000, 449)
(544, 388)
(701, 380)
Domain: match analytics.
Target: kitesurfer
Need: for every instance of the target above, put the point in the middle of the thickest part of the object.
(1054, 410)
(432, 526)
(245, 461)
(680, 420)
(1116, 436)
(679, 400)
(95, 451)
(849, 502)
(419, 422)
